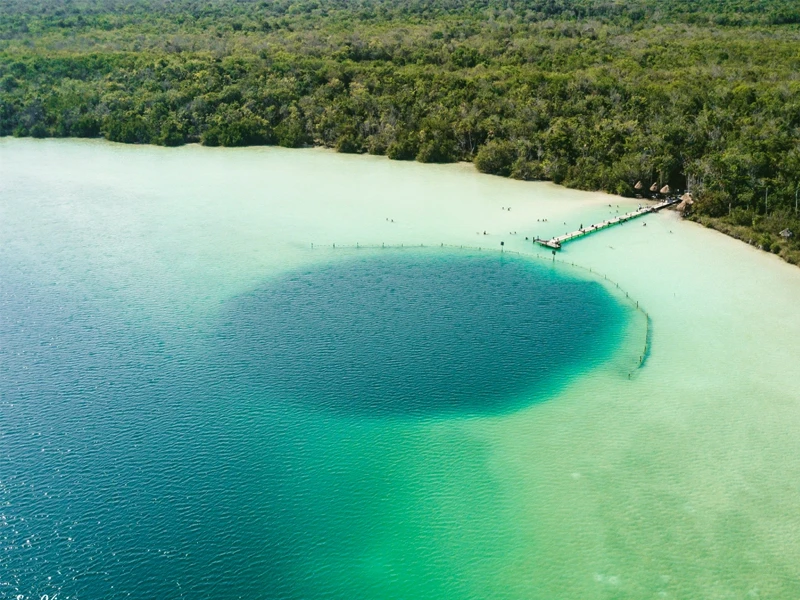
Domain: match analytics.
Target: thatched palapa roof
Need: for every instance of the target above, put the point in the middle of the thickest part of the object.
(686, 202)
(638, 185)
(664, 190)
(654, 187)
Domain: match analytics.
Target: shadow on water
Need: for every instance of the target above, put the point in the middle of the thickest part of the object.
(417, 334)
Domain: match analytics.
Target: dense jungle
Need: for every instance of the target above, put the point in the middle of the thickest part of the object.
(593, 94)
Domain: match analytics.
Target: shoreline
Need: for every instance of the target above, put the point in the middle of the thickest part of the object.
(748, 235)
(740, 233)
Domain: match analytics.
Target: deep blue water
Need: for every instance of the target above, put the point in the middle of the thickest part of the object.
(184, 460)
(416, 335)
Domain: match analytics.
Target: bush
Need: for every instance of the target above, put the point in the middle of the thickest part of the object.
(555, 170)
(291, 133)
(8, 83)
(527, 170)
(714, 203)
(405, 147)
(171, 134)
(233, 128)
(765, 242)
(464, 56)
(348, 144)
(742, 217)
(496, 157)
(437, 151)
(128, 129)
(376, 144)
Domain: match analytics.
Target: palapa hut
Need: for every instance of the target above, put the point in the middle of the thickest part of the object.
(686, 202)
(638, 185)
(664, 190)
(654, 187)
(786, 234)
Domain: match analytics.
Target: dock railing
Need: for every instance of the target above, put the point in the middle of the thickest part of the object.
(556, 242)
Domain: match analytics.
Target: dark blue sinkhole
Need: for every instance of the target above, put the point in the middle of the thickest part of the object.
(418, 334)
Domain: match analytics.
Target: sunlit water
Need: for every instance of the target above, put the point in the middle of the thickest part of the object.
(196, 403)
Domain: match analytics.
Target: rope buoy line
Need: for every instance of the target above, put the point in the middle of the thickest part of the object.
(634, 303)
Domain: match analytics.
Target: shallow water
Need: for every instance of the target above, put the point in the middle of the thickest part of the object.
(138, 456)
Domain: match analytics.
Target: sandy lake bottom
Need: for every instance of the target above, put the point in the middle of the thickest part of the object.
(195, 402)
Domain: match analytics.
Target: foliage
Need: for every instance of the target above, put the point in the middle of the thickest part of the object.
(496, 157)
(588, 93)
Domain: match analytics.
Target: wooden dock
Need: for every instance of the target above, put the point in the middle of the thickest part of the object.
(556, 242)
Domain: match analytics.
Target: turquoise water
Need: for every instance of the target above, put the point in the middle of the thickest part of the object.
(137, 459)
(234, 454)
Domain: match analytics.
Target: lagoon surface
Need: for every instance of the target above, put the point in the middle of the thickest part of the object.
(195, 402)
